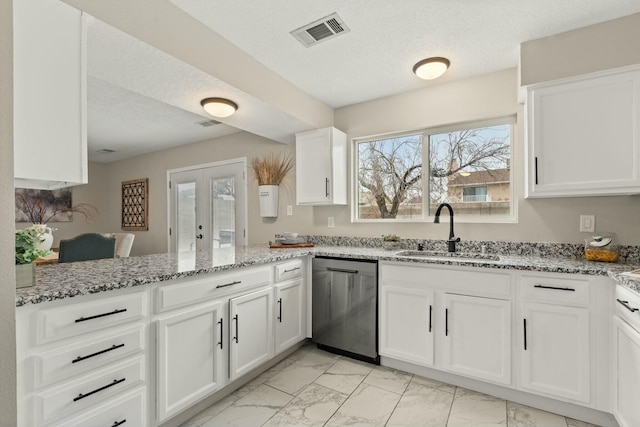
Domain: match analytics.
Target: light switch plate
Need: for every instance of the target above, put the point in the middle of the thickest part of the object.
(331, 222)
(588, 223)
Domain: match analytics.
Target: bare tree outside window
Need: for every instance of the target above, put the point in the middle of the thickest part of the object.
(389, 177)
(461, 162)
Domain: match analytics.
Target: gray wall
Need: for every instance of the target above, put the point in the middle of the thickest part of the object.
(492, 95)
(7, 261)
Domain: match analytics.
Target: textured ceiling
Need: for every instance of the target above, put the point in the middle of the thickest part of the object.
(142, 99)
(388, 37)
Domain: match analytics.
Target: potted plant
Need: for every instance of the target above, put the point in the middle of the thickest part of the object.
(270, 171)
(27, 251)
(391, 241)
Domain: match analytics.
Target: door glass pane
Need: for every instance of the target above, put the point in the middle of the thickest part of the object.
(186, 216)
(223, 212)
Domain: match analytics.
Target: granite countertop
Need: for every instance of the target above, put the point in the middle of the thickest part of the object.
(72, 279)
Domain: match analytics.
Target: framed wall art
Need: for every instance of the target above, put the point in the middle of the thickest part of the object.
(135, 205)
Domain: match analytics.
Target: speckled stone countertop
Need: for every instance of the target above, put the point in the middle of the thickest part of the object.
(72, 279)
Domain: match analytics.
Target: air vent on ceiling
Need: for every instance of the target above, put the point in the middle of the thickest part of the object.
(323, 29)
(208, 123)
(106, 151)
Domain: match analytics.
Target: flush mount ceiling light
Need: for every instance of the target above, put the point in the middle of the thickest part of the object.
(431, 68)
(219, 107)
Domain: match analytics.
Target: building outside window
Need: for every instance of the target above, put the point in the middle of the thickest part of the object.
(405, 177)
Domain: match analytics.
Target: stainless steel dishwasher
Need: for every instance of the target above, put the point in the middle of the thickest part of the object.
(345, 307)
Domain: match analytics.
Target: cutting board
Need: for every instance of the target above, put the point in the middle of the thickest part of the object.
(299, 245)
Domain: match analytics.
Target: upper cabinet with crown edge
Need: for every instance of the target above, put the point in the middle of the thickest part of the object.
(50, 95)
(583, 135)
(321, 167)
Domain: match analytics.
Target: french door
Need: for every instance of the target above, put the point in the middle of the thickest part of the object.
(208, 206)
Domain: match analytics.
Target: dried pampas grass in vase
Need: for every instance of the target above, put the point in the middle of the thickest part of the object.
(270, 171)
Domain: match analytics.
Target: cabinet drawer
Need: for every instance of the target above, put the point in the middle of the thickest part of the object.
(87, 392)
(79, 358)
(76, 319)
(475, 281)
(289, 270)
(553, 289)
(200, 290)
(127, 410)
(628, 306)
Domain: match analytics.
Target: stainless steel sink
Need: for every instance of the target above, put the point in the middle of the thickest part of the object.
(457, 255)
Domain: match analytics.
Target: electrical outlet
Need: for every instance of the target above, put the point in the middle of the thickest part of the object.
(587, 223)
(289, 210)
(331, 222)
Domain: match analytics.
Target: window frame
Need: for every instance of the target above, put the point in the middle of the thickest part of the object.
(427, 216)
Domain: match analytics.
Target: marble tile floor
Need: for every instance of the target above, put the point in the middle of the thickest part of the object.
(316, 388)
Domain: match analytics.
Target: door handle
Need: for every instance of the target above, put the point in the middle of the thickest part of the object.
(430, 314)
(524, 326)
(221, 333)
(198, 236)
(446, 322)
(236, 319)
(280, 309)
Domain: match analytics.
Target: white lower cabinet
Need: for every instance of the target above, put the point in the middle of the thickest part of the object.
(555, 352)
(251, 331)
(289, 324)
(626, 357)
(406, 330)
(190, 357)
(555, 336)
(626, 374)
(477, 337)
(423, 322)
(84, 361)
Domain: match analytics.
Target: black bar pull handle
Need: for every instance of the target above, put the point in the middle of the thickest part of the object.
(221, 333)
(236, 319)
(626, 305)
(291, 269)
(84, 319)
(342, 270)
(118, 423)
(524, 324)
(104, 387)
(235, 282)
(554, 288)
(446, 322)
(97, 353)
(536, 170)
(326, 186)
(430, 315)
(280, 309)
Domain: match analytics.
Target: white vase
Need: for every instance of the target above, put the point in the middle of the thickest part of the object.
(268, 200)
(46, 235)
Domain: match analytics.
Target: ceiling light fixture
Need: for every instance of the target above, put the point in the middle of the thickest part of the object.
(431, 68)
(219, 107)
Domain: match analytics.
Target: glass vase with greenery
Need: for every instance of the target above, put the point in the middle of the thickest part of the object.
(27, 242)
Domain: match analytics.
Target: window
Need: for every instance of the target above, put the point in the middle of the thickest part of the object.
(467, 166)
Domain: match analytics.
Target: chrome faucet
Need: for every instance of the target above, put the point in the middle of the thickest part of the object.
(452, 239)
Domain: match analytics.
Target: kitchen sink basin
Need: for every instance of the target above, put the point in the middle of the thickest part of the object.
(457, 255)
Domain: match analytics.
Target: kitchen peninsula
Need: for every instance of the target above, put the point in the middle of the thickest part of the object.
(179, 329)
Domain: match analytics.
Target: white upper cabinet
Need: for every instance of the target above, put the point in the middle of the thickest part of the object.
(583, 136)
(321, 167)
(50, 135)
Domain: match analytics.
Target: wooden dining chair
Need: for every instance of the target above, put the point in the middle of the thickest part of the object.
(85, 247)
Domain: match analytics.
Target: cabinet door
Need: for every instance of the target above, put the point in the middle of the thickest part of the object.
(477, 337)
(289, 314)
(190, 345)
(627, 374)
(321, 167)
(584, 137)
(555, 350)
(251, 331)
(50, 75)
(406, 324)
